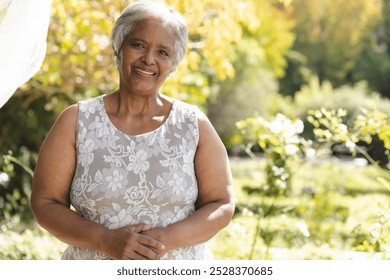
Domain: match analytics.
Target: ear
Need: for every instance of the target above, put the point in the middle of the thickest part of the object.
(118, 59)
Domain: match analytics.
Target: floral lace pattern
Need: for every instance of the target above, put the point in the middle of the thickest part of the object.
(122, 180)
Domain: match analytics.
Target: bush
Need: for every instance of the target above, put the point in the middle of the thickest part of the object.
(26, 241)
(335, 211)
(315, 96)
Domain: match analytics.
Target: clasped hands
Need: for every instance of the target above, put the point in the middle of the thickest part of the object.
(134, 242)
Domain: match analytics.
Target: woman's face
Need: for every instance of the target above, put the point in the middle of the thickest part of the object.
(146, 57)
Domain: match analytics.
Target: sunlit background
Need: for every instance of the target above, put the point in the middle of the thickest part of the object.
(298, 90)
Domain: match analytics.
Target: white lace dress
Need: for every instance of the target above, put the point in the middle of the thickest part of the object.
(125, 180)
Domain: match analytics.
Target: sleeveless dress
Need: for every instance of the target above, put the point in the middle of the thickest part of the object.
(125, 180)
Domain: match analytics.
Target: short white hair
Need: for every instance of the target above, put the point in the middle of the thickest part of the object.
(143, 9)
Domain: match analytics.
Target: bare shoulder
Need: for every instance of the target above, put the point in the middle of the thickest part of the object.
(207, 132)
(70, 111)
(203, 120)
(211, 150)
(61, 138)
(65, 125)
(68, 117)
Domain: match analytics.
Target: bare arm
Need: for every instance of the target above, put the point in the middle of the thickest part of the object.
(215, 205)
(50, 200)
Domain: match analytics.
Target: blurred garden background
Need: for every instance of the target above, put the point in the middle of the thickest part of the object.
(299, 91)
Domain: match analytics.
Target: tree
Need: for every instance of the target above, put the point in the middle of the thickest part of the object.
(373, 64)
(330, 35)
(258, 59)
(386, 24)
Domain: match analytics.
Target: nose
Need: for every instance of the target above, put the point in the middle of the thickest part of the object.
(148, 58)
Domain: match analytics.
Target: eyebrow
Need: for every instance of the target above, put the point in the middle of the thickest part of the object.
(130, 39)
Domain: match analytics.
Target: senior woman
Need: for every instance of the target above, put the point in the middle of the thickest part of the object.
(147, 175)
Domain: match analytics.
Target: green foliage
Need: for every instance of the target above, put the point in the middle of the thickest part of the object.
(331, 33)
(258, 58)
(251, 97)
(282, 147)
(373, 64)
(332, 210)
(386, 23)
(329, 127)
(263, 41)
(373, 122)
(22, 241)
(340, 42)
(24, 127)
(14, 198)
(316, 95)
(375, 237)
(298, 73)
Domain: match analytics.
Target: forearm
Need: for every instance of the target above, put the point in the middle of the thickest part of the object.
(199, 227)
(68, 226)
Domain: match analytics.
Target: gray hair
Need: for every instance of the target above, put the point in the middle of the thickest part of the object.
(143, 9)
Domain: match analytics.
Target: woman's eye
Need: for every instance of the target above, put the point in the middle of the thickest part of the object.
(164, 53)
(138, 45)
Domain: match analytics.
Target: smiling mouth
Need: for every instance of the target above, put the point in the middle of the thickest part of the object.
(144, 72)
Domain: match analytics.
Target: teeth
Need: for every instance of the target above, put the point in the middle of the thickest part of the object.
(144, 72)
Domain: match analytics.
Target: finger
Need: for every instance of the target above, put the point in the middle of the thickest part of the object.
(135, 256)
(140, 252)
(151, 243)
(147, 253)
(138, 228)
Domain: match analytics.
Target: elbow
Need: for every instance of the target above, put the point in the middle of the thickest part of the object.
(228, 209)
(231, 204)
(44, 209)
(36, 209)
(33, 204)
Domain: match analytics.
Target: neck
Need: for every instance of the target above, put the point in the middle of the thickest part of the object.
(137, 105)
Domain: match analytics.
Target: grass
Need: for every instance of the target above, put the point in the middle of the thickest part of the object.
(335, 211)
(28, 241)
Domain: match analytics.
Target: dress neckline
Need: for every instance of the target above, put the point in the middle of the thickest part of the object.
(105, 114)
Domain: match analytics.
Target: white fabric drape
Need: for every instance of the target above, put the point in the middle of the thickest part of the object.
(23, 31)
